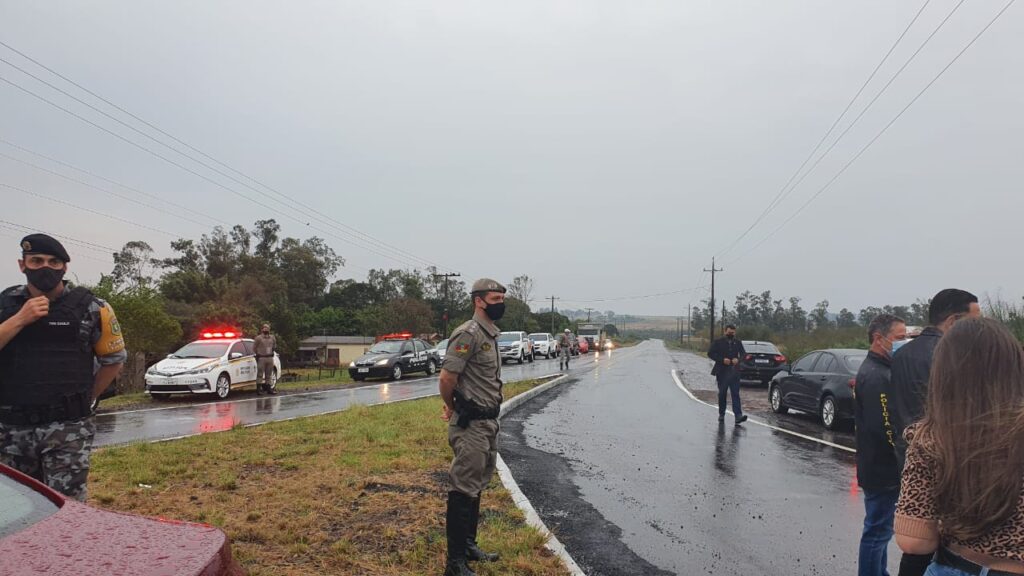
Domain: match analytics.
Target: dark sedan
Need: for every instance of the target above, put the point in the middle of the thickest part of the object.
(762, 361)
(41, 532)
(393, 357)
(820, 382)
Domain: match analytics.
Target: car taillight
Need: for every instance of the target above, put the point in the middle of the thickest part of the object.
(780, 359)
(748, 358)
(852, 383)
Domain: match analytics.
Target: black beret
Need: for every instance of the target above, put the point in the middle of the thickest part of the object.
(43, 244)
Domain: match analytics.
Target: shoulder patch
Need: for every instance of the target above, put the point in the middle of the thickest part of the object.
(486, 346)
(462, 349)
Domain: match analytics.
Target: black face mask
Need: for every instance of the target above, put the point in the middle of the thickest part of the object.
(495, 311)
(45, 278)
(730, 336)
(266, 332)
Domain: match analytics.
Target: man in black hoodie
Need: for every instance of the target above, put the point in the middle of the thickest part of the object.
(877, 470)
(911, 368)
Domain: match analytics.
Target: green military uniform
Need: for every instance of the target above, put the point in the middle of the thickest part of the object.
(472, 430)
(565, 342)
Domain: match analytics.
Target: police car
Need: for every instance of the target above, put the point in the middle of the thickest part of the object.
(218, 362)
(394, 356)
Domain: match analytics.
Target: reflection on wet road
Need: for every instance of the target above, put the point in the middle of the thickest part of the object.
(625, 452)
(174, 422)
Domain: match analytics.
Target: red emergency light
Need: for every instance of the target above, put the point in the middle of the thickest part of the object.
(397, 336)
(213, 335)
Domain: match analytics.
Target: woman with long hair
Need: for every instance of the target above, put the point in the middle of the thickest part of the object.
(962, 494)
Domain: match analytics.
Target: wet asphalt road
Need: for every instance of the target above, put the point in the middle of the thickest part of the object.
(213, 416)
(637, 478)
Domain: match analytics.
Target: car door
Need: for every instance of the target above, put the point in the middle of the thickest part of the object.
(407, 356)
(824, 370)
(794, 393)
(421, 355)
(242, 369)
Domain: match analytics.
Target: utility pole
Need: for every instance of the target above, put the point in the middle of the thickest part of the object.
(723, 317)
(689, 317)
(447, 300)
(711, 331)
(589, 310)
(553, 298)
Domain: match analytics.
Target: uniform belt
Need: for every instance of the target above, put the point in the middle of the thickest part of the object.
(947, 557)
(73, 407)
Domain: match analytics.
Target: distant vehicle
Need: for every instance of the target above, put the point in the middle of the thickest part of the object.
(218, 362)
(593, 334)
(762, 362)
(544, 343)
(441, 349)
(42, 532)
(583, 345)
(820, 382)
(515, 346)
(394, 356)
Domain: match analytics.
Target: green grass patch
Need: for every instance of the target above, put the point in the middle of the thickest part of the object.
(358, 492)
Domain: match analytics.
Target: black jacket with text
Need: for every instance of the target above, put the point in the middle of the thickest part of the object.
(877, 468)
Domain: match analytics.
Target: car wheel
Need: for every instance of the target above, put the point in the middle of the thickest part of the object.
(431, 367)
(396, 372)
(223, 386)
(521, 358)
(828, 412)
(775, 397)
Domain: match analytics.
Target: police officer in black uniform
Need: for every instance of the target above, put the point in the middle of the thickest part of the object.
(51, 338)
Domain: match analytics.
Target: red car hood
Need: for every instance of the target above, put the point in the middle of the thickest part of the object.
(79, 540)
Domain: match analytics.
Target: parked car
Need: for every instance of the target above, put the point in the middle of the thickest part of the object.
(583, 345)
(762, 361)
(515, 346)
(544, 344)
(218, 362)
(820, 382)
(394, 356)
(441, 349)
(42, 532)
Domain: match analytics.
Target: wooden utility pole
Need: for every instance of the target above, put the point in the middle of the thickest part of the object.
(589, 310)
(711, 330)
(553, 298)
(447, 300)
(689, 318)
(723, 317)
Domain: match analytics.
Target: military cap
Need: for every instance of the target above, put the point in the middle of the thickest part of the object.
(43, 244)
(488, 285)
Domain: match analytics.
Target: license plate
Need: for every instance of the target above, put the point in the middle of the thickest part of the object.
(364, 370)
(168, 381)
(761, 361)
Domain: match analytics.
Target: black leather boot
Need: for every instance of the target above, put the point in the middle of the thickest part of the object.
(457, 522)
(473, 552)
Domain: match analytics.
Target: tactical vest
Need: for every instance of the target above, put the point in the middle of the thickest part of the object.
(46, 371)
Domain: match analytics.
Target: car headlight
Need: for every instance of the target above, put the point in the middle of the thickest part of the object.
(352, 364)
(198, 371)
(383, 362)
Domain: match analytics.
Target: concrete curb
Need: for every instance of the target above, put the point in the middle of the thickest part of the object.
(532, 518)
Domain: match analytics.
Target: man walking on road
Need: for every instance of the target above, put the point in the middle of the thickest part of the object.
(878, 472)
(726, 353)
(565, 343)
(264, 345)
(471, 389)
(911, 368)
(51, 338)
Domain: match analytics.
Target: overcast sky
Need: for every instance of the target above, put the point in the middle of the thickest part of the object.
(607, 149)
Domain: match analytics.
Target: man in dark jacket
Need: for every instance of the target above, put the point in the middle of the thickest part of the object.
(911, 368)
(877, 470)
(726, 352)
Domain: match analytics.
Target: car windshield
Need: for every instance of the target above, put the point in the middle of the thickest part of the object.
(760, 348)
(442, 345)
(853, 361)
(538, 337)
(22, 507)
(509, 337)
(387, 347)
(202, 350)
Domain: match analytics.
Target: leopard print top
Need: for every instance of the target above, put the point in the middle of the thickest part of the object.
(917, 515)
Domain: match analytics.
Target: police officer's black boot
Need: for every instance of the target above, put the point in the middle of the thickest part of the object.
(457, 523)
(473, 552)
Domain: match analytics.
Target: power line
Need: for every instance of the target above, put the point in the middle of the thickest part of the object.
(291, 202)
(640, 297)
(880, 133)
(783, 191)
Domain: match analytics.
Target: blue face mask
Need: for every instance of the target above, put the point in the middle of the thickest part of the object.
(897, 344)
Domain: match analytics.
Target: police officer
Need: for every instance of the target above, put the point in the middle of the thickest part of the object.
(51, 335)
(471, 390)
(565, 342)
(264, 346)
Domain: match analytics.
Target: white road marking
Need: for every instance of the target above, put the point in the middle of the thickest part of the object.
(679, 383)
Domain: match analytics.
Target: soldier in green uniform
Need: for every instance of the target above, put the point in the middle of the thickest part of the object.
(51, 338)
(471, 390)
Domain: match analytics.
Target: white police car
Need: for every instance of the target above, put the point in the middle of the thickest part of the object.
(217, 363)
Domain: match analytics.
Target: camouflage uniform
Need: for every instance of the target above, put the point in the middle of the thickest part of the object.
(57, 453)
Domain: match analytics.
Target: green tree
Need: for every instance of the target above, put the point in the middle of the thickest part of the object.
(846, 319)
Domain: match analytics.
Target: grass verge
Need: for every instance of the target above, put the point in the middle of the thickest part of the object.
(358, 492)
